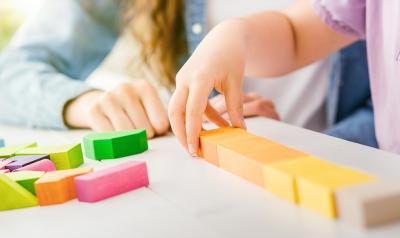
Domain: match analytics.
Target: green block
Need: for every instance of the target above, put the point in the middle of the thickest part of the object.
(26, 179)
(117, 144)
(13, 195)
(10, 151)
(64, 156)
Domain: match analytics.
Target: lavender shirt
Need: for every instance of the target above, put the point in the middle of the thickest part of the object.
(378, 21)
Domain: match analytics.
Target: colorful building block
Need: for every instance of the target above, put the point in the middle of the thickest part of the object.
(4, 163)
(20, 161)
(58, 186)
(281, 178)
(26, 179)
(13, 195)
(370, 204)
(10, 151)
(316, 191)
(64, 156)
(109, 182)
(2, 142)
(247, 158)
(211, 138)
(44, 165)
(117, 144)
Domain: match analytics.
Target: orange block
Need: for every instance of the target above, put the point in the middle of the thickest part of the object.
(247, 158)
(58, 186)
(209, 140)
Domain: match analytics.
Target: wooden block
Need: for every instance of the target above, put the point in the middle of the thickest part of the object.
(64, 156)
(210, 139)
(281, 178)
(117, 144)
(109, 182)
(369, 205)
(13, 195)
(58, 186)
(4, 163)
(316, 190)
(44, 165)
(26, 179)
(247, 158)
(10, 151)
(20, 161)
(3, 171)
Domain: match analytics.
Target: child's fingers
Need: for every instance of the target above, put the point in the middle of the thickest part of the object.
(176, 114)
(195, 108)
(214, 116)
(234, 102)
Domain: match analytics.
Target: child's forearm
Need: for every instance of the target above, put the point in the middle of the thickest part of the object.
(280, 42)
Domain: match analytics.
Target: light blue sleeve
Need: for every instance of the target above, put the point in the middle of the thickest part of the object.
(49, 58)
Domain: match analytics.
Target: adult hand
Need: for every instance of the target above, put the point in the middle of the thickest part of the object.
(128, 106)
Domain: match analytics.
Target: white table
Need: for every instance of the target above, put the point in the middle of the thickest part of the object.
(190, 198)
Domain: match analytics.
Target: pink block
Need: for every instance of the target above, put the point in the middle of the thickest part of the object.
(4, 163)
(3, 171)
(106, 183)
(44, 165)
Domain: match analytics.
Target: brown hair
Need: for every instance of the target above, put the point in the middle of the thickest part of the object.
(158, 25)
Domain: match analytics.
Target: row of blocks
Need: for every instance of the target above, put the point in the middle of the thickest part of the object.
(329, 189)
(30, 188)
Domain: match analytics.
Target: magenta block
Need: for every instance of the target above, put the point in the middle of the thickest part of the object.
(4, 163)
(24, 160)
(109, 182)
(44, 165)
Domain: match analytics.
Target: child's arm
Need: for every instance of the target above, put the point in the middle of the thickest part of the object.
(264, 44)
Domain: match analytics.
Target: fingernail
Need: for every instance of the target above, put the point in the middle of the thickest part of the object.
(192, 150)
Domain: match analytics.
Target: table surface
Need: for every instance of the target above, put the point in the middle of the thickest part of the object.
(188, 197)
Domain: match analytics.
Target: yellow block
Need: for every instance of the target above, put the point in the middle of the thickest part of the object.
(316, 190)
(209, 140)
(247, 158)
(281, 178)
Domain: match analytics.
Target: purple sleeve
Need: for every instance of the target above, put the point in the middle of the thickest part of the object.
(343, 16)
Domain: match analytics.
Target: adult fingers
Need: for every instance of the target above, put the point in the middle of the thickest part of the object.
(115, 113)
(98, 120)
(153, 106)
(138, 115)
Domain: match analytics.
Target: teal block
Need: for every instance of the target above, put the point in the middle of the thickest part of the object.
(2, 142)
(117, 144)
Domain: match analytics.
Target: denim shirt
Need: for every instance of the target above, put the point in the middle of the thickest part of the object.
(48, 60)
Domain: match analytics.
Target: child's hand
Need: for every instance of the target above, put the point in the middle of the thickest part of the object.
(219, 63)
(129, 106)
(253, 105)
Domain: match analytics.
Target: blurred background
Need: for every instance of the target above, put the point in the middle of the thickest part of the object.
(12, 14)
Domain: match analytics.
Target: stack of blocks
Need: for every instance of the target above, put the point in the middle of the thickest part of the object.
(332, 190)
(31, 175)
